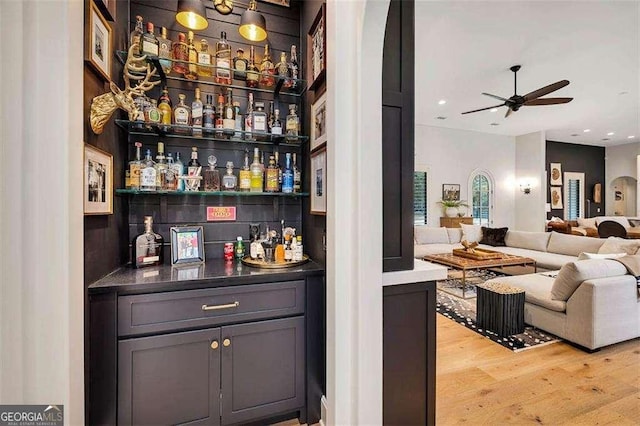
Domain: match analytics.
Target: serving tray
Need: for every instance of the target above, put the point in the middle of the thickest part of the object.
(260, 263)
(479, 254)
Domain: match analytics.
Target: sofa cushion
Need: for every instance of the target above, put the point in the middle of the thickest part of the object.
(619, 219)
(572, 245)
(421, 250)
(455, 235)
(585, 256)
(537, 288)
(573, 274)
(494, 236)
(587, 223)
(429, 235)
(527, 240)
(619, 245)
(544, 260)
(471, 233)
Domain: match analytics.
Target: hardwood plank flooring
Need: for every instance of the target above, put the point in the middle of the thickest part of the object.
(482, 383)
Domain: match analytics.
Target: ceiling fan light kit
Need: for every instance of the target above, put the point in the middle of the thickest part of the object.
(515, 102)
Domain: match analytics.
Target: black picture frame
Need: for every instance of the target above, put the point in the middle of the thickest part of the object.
(317, 48)
(187, 245)
(108, 9)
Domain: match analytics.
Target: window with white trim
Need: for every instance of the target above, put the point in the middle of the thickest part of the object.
(481, 203)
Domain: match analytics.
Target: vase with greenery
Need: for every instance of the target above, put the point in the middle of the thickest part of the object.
(452, 207)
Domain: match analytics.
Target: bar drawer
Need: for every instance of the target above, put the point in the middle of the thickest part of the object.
(178, 310)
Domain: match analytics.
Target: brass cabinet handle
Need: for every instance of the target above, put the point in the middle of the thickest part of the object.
(214, 345)
(217, 307)
(226, 342)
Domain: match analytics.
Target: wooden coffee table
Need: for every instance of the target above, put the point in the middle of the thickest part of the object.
(465, 264)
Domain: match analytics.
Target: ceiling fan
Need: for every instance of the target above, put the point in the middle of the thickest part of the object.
(530, 99)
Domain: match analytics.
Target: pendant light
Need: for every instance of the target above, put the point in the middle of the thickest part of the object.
(252, 24)
(192, 14)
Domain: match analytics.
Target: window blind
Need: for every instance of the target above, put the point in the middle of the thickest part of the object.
(420, 198)
(573, 200)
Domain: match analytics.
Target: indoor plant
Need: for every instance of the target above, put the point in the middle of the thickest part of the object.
(451, 206)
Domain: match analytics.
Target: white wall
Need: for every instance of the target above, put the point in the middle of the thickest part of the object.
(452, 156)
(41, 227)
(620, 160)
(530, 167)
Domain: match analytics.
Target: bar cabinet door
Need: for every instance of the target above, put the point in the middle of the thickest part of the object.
(170, 379)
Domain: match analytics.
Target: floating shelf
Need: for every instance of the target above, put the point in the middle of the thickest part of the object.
(212, 194)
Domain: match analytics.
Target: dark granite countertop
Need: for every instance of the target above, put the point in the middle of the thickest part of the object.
(214, 273)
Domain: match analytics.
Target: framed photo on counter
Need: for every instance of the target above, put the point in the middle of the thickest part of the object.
(187, 245)
(98, 181)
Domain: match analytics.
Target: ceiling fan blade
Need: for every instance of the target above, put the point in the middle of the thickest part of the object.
(495, 97)
(548, 101)
(545, 90)
(483, 109)
(508, 113)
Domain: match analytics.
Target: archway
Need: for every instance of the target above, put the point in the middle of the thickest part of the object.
(624, 193)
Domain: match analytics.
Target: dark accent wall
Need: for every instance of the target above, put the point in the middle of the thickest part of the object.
(581, 159)
(398, 136)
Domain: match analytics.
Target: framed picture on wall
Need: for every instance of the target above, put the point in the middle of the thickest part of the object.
(98, 181)
(108, 8)
(555, 176)
(319, 182)
(284, 3)
(450, 192)
(98, 44)
(317, 46)
(187, 245)
(318, 122)
(556, 198)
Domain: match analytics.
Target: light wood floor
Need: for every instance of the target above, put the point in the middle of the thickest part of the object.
(480, 382)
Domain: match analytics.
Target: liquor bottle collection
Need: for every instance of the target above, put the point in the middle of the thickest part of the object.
(183, 58)
(169, 173)
(269, 246)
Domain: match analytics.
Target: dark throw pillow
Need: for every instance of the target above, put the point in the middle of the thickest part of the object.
(494, 236)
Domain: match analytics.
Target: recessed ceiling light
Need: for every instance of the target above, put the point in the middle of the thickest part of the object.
(442, 102)
(441, 117)
(494, 124)
(623, 93)
(610, 133)
(630, 137)
(494, 109)
(605, 139)
(574, 134)
(586, 130)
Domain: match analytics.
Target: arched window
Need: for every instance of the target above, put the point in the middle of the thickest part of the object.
(481, 199)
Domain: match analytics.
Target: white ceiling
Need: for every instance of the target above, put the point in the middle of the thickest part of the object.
(466, 48)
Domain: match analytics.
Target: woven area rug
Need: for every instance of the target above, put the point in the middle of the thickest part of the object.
(464, 313)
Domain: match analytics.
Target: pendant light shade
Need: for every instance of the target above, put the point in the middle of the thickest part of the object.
(252, 24)
(192, 14)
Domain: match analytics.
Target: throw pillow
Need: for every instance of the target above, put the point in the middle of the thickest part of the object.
(585, 256)
(471, 233)
(619, 245)
(428, 235)
(572, 274)
(587, 223)
(494, 236)
(455, 235)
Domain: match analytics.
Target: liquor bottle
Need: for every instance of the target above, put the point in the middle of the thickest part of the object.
(150, 45)
(169, 180)
(276, 127)
(161, 166)
(194, 169)
(248, 118)
(148, 173)
(152, 113)
(270, 116)
(147, 247)
(136, 36)
(164, 106)
(193, 58)
(245, 174)
(223, 60)
(239, 248)
(212, 176)
(297, 176)
(229, 181)
(204, 59)
(253, 74)
(182, 116)
(220, 112)
(277, 155)
(287, 175)
(257, 178)
(259, 120)
(293, 123)
(208, 117)
(282, 68)
(240, 64)
(266, 69)
(141, 103)
(271, 180)
(196, 114)
(181, 54)
(239, 120)
(178, 170)
(134, 169)
(229, 120)
(298, 253)
(164, 51)
(294, 69)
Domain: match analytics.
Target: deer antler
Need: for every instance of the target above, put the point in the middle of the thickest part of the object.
(138, 65)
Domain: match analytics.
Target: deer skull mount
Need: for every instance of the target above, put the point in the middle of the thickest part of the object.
(136, 69)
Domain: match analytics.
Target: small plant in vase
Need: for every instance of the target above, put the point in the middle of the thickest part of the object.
(452, 207)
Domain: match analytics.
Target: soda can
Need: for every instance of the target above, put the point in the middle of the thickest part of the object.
(228, 251)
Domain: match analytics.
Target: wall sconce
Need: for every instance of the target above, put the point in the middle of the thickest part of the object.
(526, 188)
